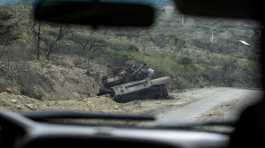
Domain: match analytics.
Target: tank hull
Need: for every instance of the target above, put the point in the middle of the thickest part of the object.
(144, 89)
(135, 90)
(154, 92)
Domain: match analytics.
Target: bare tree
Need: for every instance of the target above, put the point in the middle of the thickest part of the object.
(8, 32)
(182, 20)
(85, 45)
(8, 27)
(53, 44)
(36, 38)
(38, 41)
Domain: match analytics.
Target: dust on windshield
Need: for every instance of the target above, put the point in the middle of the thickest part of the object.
(179, 67)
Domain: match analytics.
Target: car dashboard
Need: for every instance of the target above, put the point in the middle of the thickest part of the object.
(18, 131)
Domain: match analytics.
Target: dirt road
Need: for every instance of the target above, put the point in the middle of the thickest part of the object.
(187, 106)
(211, 104)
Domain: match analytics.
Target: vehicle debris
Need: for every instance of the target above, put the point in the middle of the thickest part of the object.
(135, 82)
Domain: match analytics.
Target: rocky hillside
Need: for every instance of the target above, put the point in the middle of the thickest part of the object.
(47, 61)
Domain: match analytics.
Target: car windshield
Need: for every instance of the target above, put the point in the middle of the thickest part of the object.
(183, 68)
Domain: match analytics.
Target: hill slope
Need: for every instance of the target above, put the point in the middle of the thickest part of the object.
(195, 52)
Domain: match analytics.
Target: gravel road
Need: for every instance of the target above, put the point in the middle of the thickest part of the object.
(210, 104)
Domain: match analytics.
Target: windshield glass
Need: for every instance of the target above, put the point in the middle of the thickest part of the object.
(182, 68)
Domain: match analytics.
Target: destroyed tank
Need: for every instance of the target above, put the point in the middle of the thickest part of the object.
(134, 85)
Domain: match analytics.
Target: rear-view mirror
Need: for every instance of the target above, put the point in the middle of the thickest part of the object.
(94, 12)
(246, 9)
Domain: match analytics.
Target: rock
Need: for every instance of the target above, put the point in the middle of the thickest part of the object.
(14, 101)
(158, 102)
(30, 106)
(9, 90)
(19, 107)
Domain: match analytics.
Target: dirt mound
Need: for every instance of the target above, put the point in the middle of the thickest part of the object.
(44, 80)
(13, 102)
(20, 103)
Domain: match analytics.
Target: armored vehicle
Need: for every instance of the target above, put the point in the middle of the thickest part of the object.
(134, 84)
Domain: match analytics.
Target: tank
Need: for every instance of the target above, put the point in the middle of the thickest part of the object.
(135, 85)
